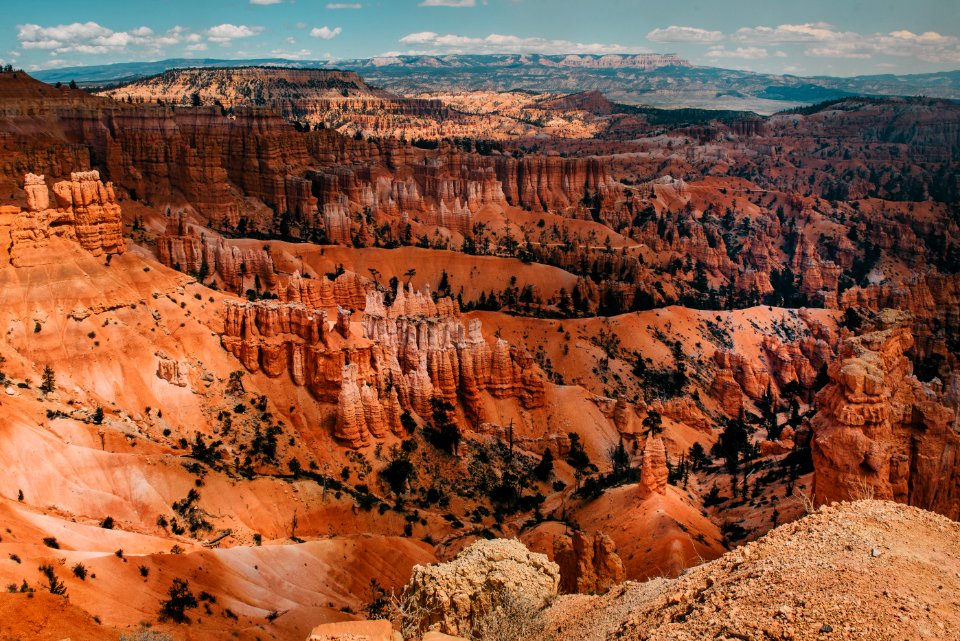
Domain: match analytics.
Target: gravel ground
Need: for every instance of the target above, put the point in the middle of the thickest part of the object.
(869, 570)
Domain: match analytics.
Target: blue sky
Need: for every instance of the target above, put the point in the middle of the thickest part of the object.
(804, 37)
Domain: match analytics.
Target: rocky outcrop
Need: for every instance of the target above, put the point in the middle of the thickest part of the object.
(173, 371)
(348, 291)
(879, 432)
(354, 422)
(932, 299)
(432, 351)
(276, 338)
(795, 362)
(84, 211)
(753, 380)
(587, 566)
(788, 363)
(653, 473)
(411, 352)
(727, 391)
(451, 597)
(180, 246)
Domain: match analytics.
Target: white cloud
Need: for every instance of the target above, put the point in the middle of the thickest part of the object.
(435, 43)
(824, 41)
(93, 38)
(421, 37)
(740, 53)
(325, 32)
(292, 55)
(344, 5)
(788, 34)
(674, 33)
(225, 33)
(448, 3)
(929, 46)
(265, 2)
(200, 46)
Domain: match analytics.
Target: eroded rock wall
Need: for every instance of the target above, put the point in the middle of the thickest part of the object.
(83, 210)
(879, 432)
(411, 352)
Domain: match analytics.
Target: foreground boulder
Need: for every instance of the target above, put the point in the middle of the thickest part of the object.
(488, 576)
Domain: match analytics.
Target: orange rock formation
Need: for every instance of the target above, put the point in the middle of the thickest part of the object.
(880, 432)
(587, 566)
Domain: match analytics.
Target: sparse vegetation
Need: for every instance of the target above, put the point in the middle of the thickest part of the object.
(48, 380)
(180, 600)
(54, 584)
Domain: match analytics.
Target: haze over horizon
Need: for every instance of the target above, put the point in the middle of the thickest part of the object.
(818, 38)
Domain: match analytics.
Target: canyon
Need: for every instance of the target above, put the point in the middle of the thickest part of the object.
(308, 347)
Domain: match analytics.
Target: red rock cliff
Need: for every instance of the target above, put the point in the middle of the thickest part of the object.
(880, 432)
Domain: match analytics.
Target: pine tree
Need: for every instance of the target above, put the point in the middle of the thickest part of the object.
(544, 468)
(181, 599)
(49, 381)
(620, 460)
(653, 423)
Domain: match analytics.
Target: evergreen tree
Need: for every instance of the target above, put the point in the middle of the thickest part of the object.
(49, 380)
(398, 471)
(180, 600)
(653, 423)
(544, 468)
(698, 457)
(578, 458)
(620, 461)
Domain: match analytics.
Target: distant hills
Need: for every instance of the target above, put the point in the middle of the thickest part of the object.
(662, 80)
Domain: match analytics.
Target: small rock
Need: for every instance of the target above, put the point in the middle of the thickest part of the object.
(826, 628)
(875, 552)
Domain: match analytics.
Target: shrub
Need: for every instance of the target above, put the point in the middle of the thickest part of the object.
(379, 605)
(180, 600)
(54, 585)
(80, 571)
(51, 542)
(515, 618)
